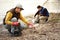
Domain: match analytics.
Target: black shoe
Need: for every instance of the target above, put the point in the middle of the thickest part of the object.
(9, 30)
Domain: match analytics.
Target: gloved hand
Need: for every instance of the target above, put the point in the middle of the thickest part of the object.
(15, 23)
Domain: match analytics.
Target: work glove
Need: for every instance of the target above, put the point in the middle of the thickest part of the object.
(15, 23)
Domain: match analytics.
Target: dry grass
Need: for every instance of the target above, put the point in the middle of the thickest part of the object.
(48, 31)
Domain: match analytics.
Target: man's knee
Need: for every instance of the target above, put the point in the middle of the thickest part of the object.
(7, 26)
(43, 19)
(14, 19)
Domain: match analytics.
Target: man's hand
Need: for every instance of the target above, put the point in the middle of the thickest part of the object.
(15, 23)
(30, 25)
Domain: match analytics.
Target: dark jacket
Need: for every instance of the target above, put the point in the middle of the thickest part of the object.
(43, 12)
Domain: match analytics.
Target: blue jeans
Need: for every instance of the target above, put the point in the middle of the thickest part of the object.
(22, 24)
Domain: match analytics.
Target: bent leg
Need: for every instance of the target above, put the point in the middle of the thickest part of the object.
(37, 19)
(22, 24)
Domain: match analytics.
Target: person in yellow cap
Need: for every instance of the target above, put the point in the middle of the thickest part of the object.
(12, 17)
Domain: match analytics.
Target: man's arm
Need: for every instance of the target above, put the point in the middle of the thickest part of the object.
(23, 18)
(8, 18)
(36, 13)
